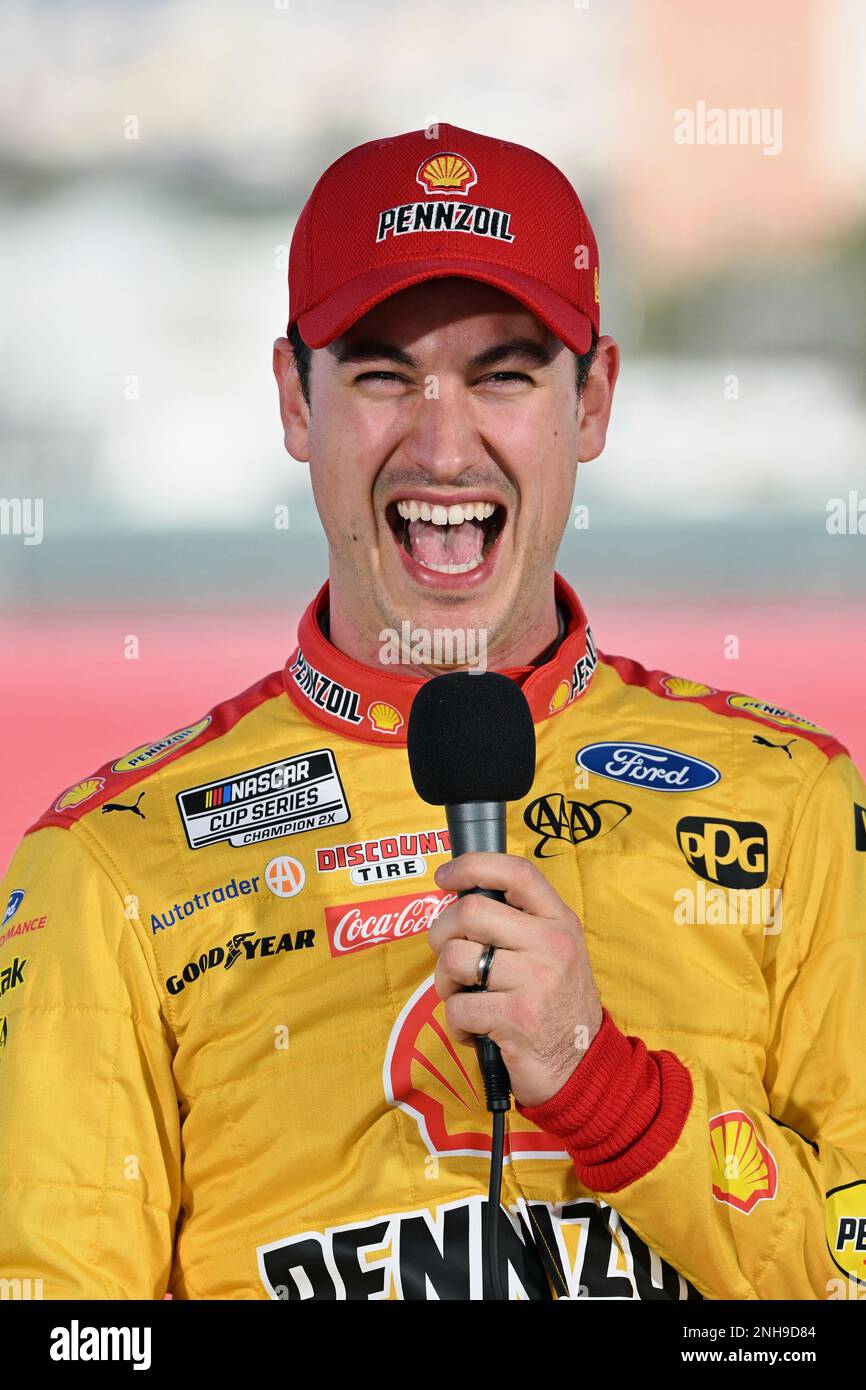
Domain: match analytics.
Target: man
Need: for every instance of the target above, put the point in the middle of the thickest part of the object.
(237, 1059)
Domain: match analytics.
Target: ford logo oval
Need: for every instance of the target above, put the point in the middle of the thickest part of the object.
(644, 765)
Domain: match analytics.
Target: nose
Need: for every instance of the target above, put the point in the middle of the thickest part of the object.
(444, 439)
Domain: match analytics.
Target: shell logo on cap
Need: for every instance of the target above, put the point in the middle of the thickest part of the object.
(744, 1171)
(595, 283)
(385, 718)
(446, 172)
(684, 689)
(559, 698)
(80, 792)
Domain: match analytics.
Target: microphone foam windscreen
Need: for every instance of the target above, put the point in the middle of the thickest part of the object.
(471, 738)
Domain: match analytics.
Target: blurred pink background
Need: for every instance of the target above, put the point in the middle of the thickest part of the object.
(155, 157)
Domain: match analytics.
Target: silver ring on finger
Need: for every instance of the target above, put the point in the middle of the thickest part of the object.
(482, 970)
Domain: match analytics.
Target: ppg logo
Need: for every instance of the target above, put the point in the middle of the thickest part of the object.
(732, 853)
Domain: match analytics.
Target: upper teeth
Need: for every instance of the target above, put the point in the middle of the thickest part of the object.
(446, 516)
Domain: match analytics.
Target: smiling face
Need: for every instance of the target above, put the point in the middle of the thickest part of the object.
(443, 439)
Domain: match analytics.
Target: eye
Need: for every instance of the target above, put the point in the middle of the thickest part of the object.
(507, 377)
(379, 376)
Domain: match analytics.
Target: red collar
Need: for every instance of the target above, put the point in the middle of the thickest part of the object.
(368, 704)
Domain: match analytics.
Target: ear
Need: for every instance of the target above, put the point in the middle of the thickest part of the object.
(597, 399)
(294, 411)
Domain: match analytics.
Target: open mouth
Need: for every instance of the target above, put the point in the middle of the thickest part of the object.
(447, 540)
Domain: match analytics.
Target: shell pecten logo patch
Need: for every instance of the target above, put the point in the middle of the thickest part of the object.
(446, 172)
(559, 698)
(384, 717)
(845, 1225)
(80, 792)
(681, 688)
(744, 1171)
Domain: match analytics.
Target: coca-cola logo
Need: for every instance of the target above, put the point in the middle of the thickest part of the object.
(353, 926)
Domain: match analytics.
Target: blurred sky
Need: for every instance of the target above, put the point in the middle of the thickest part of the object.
(145, 283)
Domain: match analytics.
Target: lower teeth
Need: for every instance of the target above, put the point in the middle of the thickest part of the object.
(453, 569)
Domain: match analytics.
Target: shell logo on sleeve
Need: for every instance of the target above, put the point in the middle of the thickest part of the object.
(744, 1171)
(845, 1224)
(681, 688)
(80, 792)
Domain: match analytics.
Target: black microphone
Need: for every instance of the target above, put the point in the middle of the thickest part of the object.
(471, 745)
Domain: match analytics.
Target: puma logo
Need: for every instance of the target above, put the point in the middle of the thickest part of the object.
(765, 743)
(119, 806)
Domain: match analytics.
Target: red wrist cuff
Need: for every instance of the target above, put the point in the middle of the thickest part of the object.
(621, 1110)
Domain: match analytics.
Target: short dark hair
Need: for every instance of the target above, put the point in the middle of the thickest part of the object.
(304, 356)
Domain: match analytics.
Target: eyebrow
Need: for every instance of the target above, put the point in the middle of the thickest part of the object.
(372, 350)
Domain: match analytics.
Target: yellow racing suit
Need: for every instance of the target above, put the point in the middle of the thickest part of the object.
(225, 1072)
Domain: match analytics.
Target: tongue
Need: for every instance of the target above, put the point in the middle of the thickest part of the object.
(445, 545)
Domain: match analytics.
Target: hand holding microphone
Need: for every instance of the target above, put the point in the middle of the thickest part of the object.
(512, 963)
(471, 744)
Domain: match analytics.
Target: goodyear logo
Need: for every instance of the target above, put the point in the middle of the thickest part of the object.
(845, 1226)
(732, 853)
(149, 753)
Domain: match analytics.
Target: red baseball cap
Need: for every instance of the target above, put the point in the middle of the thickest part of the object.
(435, 202)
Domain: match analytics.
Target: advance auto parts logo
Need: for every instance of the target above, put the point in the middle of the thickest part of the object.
(354, 926)
(441, 1088)
(264, 803)
(570, 822)
(645, 765)
(845, 1225)
(732, 853)
(244, 945)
